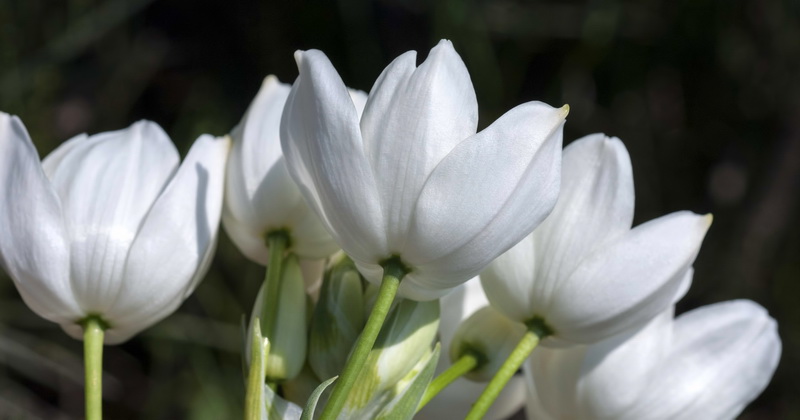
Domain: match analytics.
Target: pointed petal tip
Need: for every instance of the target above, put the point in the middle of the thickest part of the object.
(564, 110)
(709, 218)
(271, 78)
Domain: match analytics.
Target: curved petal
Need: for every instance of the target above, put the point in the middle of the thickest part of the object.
(595, 207)
(534, 407)
(259, 134)
(722, 358)
(500, 184)
(106, 186)
(54, 159)
(256, 149)
(34, 249)
(552, 376)
(324, 154)
(172, 250)
(509, 281)
(629, 281)
(413, 119)
(617, 371)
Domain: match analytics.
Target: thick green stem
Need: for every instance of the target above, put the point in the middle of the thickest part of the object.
(517, 357)
(276, 243)
(254, 395)
(393, 272)
(462, 366)
(93, 362)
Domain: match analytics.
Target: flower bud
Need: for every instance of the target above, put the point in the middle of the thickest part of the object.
(337, 320)
(288, 339)
(403, 342)
(488, 335)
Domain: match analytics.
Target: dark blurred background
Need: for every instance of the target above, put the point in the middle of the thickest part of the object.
(705, 95)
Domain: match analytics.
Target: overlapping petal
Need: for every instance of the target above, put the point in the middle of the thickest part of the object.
(629, 281)
(172, 249)
(498, 184)
(708, 363)
(322, 144)
(414, 117)
(260, 195)
(106, 184)
(595, 206)
(34, 249)
(723, 356)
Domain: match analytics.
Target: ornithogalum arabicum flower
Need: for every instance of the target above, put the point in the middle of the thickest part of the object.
(705, 364)
(584, 273)
(260, 196)
(108, 226)
(411, 179)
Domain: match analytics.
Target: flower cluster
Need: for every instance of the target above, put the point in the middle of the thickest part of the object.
(413, 263)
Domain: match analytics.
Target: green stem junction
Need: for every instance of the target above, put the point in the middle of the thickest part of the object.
(393, 271)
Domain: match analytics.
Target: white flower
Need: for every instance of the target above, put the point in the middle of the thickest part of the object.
(456, 400)
(706, 364)
(260, 196)
(108, 225)
(411, 179)
(584, 272)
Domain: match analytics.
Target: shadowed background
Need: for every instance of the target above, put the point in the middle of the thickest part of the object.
(704, 94)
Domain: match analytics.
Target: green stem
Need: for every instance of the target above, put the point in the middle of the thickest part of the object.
(276, 242)
(254, 396)
(93, 362)
(517, 357)
(462, 366)
(393, 272)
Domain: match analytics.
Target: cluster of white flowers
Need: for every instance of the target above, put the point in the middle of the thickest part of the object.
(109, 228)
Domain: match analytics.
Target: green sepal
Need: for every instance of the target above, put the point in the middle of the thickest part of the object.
(311, 404)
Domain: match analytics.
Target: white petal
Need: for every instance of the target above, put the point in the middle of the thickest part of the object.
(413, 118)
(617, 371)
(359, 98)
(172, 251)
(256, 149)
(553, 375)
(510, 284)
(257, 143)
(723, 357)
(106, 186)
(324, 154)
(534, 408)
(486, 195)
(629, 281)
(52, 161)
(33, 247)
(595, 206)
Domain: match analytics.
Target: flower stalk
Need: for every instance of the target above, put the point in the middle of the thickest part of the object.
(254, 396)
(277, 241)
(537, 330)
(393, 272)
(466, 363)
(93, 328)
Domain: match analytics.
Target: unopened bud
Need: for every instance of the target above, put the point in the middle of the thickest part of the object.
(404, 340)
(337, 320)
(288, 338)
(490, 337)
